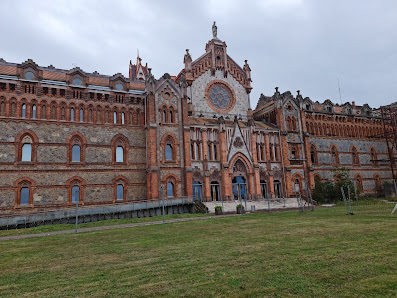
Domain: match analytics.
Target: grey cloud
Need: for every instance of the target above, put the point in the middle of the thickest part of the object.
(292, 44)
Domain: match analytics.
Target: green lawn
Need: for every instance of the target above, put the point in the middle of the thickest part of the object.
(321, 253)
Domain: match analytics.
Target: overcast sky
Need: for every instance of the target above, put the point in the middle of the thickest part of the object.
(292, 44)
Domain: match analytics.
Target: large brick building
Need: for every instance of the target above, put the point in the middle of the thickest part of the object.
(68, 135)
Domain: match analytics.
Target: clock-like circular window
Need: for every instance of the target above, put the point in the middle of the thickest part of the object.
(119, 86)
(220, 96)
(29, 75)
(77, 81)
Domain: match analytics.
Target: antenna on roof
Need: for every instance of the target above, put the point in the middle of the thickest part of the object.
(340, 95)
(137, 52)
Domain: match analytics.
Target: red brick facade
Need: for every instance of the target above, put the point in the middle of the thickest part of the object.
(118, 140)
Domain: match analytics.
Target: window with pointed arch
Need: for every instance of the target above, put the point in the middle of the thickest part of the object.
(23, 110)
(120, 187)
(3, 106)
(313, 155)
(54, 111)
(355, 156)
(297, 184)
(169, 149)
(43, 110)
(24, 192)
(76, 150)
(63, 112)
(120, 150)
(378, 183)
(359, 183)
(373, 157)
(26, 148)
(76, 190)
(334, 155)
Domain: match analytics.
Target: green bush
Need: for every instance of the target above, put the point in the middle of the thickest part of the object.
(218, 207)
(329, 191)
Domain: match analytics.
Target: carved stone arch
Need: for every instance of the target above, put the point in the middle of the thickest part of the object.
(215, 175)
(198, 175)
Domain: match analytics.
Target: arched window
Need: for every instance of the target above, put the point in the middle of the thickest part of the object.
(2, 108)
(164, 116)
(26, 149)
(24, 192)
(90, 114)
(122, 118)
(75, 193)
(26, 152)
(43, 111)
(76, 149)
(313, 154)
(25, 195)
(334, 156)
(378, 184)
(76, 152)
(119, 154)
(171, 118)
(63, 112)
(119, 192)
(169, 148)
(13, 108)
(98, 115)
(81, 115)
(359, 183)
(34, 111)
(114, 117)
(76, 190)
(373, 157)
(170, 189)
(168, 152)
(23, 110)
(53, 112)
(355, 157)
(71, 114)
(119, 146)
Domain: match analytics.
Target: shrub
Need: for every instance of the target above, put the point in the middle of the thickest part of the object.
(218, 207)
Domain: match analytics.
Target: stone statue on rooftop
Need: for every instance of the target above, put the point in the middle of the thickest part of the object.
(214, 31)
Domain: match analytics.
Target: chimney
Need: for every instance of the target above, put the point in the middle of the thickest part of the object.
(353, 104)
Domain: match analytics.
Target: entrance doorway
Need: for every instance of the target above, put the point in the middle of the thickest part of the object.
(277, 189)
(197, 191)
(264, 189)
(215, 191)
(239, 188)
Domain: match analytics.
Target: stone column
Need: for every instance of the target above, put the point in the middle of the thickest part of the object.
(226, 182)
(257, 186)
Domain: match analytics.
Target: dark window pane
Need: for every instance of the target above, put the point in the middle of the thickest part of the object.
(24, 195)
(170, 189)
(120, 192)
(75, 193)
(76, 153)
(168, 152)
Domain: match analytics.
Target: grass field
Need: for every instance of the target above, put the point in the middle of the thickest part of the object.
(321, 253)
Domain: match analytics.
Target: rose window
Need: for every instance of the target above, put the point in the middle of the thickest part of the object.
(220, 97)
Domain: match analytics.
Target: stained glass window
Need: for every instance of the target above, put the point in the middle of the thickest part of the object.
(219, 96)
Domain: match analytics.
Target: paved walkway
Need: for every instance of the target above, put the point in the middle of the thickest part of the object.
(110, 227)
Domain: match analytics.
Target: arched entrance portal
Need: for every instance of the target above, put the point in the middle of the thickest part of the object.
(239, 181)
